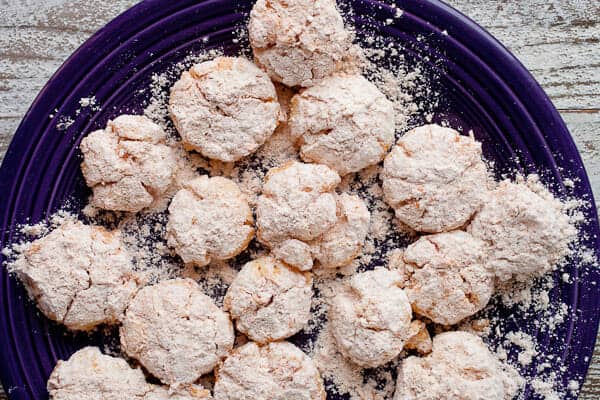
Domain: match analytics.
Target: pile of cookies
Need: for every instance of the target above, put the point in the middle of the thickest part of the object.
(474, 232)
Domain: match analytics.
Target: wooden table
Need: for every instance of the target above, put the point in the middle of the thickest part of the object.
(558, 40)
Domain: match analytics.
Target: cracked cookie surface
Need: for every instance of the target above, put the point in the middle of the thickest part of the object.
(300, 42)
(297, 205)
(224, 108)
(343, 122)
(269, 300)
(460, 367)
(275, 371)
(89, 374)
(343, 242)
(127, 165)
(434, 178)
(209, 219)
(371, 318)
(176, 332)
(446, 276)
(527, 231)
(79, 275)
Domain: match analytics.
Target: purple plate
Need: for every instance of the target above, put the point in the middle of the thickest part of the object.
(483, 86)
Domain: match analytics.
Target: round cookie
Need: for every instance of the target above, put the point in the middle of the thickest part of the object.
(297, 203)
(343, 122)
(434, 178)
(269, 300)
(343, 242)
(527, 231)
(127, 165)
(224, 108)
(298, 42)
(371, 319)
(275, 371)
(209, 219)
(176, 332)
(447, 276)
(459, 367)
(79, 275)
(89, 374)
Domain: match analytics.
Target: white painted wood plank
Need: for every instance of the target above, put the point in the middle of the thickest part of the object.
(558, 40)
(585, 128)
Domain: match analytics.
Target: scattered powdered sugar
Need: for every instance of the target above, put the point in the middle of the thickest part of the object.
(527, 345)
(64, 122)
(89, 102)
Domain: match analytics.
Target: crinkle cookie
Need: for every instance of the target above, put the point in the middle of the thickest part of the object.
(269, 300)
(459, 367)
(176, 332)
(275, 371)
(79, 275)
(434, 178)
(127, 165)
(298, 42)
(298, 204)
(371, 319)
(225, 108)
(527, 231)
(447, 276)
(343, 242)
(209, 219)
(89, 374)
(344, 122)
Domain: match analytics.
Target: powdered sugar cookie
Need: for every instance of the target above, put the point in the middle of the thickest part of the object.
(371, 319)
(298, 202)
(298, 42)
(447, 279)
(79, 275)
(89, 374)
(209, 219)
(269, 300)
(434, 178)
(175, 331)
(224, 108)
(127, 165)
(527, 231)
(343, 242)
(459, 367)
(344, 122)
(275, 371)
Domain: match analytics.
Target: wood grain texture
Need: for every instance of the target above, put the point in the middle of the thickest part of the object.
(557, 40)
